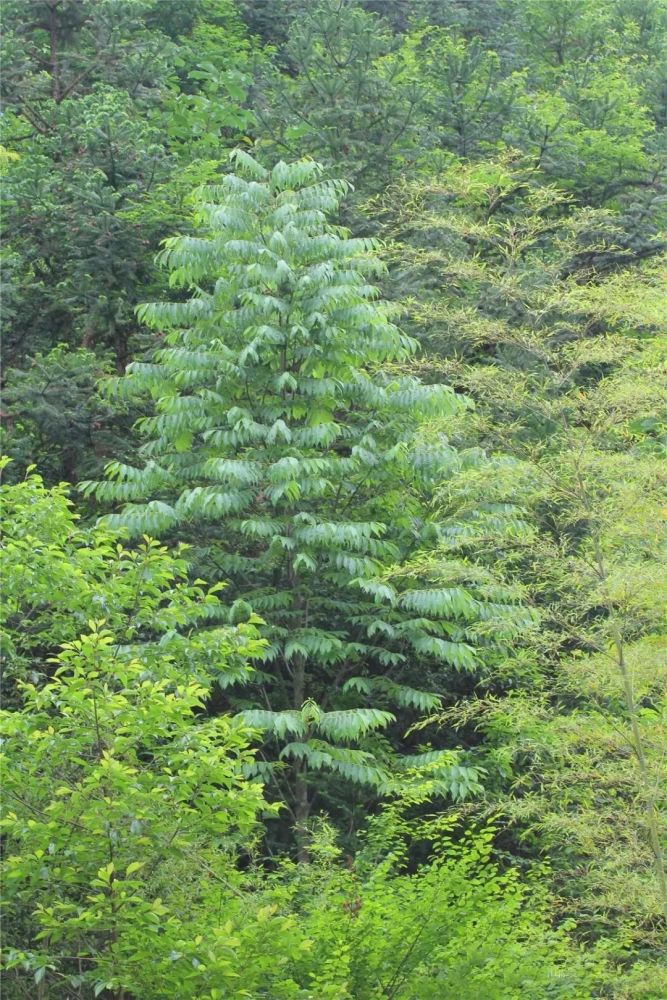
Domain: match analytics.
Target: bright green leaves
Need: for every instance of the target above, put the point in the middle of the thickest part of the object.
(455, 602)
(340, 725)
(442, 773)
(117, 789)
(458, 654)
(62, 577)
(415, 930)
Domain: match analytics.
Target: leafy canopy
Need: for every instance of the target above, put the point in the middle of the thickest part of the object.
(283, 441)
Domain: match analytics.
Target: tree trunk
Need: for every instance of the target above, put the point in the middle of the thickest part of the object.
(301, 800)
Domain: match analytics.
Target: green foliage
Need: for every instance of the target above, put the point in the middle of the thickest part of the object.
(480, 572)
(123, 823)
(127, 792)
(499, 267)
(277, 429)
(121, 797)
(544, 314)
(58, 576)
(76, 109)
(378, 930)
(567, 377)
(106, 140)
(602, 569)
(467, 98)
(590, 135)
(349, 98)
(55, 417)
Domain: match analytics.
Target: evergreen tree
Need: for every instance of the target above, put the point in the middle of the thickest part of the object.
(341, 91)
(468, 98)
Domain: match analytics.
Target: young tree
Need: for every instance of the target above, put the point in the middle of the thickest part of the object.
(123, 825)
(283, 444)
(128, 792)
(467, 96)
(58, 576)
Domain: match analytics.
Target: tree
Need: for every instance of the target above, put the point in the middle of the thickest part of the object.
(498, 266)
(121, 802)
(468, 98)
(129, 791)
(283, 444)
(55, 418)
(110, 120)
(124, 825)
(76, 111)
(553, 328)
(59, 576)
(460, 591)
(348, 97)
(584, 750)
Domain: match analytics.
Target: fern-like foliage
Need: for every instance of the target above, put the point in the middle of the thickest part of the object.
(283, 445)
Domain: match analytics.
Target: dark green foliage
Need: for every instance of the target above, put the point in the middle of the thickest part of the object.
(346, 95)
(104, 144)
(468, 97)
(78, 110)
(55, 418)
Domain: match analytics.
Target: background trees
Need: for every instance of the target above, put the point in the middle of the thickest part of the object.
(460, 590)
(113, 120)
(557, 338)
(343, 92)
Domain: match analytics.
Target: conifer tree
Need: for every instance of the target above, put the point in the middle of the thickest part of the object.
(284, 447)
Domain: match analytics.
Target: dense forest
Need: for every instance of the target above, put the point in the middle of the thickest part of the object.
(334, 402)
